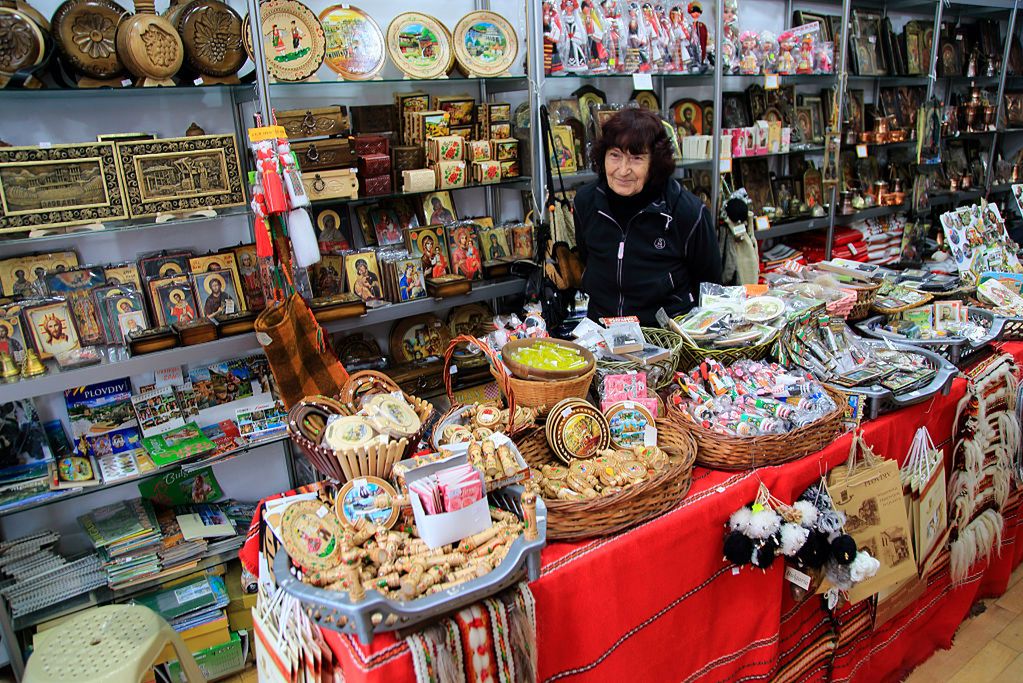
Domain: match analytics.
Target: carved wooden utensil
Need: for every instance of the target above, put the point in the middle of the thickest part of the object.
(149, 46)
(85, 32)
(22, 45)
(212, 35)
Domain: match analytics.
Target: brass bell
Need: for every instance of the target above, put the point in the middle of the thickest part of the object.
(9, 370)
(32, 367)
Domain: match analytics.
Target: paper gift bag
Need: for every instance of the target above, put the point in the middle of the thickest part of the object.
(296, 347)
(868, 490)
(923, 482)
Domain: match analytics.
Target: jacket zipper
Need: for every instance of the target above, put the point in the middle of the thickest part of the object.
(621, 256)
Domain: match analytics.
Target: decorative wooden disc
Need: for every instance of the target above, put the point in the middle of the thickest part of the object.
(311, 535)
(85, 33)
(419, 45)
(355, 44)
(485, 43)
(419, 338)
(212, 34)
(292, 39)
(149, 45)
(367, 498)
(21, 40)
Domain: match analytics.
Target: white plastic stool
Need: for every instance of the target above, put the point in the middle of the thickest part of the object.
(111, 644)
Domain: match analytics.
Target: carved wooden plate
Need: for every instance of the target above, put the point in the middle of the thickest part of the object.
(485, 43)
(212, 34)
(355, 44)
(149, 45)
(419, 45)
(292, 39)
(85, 32)
(21, 40)
(419, 339)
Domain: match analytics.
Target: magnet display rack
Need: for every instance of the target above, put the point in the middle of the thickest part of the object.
(182, 103)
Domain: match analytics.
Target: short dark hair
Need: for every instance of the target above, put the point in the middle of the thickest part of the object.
(636, 131)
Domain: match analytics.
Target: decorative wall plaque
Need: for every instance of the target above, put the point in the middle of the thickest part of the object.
(419, 45)
(85, 32)
(355, 44)
(485, 44)
(150, 46)
(21, 40)
(292, 39)
(59, 185)
(212, 34)
(180, 174)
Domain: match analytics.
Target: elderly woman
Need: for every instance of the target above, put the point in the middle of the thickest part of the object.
(646, 242)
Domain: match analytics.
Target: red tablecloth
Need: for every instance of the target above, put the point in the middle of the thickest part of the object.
(659, 603)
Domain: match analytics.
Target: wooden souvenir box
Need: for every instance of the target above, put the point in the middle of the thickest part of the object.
(478, 150)
(447, 148)
(374, 164)
(408, 157)
(510, 169)
(180, 174)
(308, 123)
(375, 185)
(342, 183)
(59, 185)
(486, 171)
(503, 150)
(418, 180)
(371, 144)
(419, 380)
(494, 112)
(450, 174)
(374, 118)
(461, 109)
(323, 155)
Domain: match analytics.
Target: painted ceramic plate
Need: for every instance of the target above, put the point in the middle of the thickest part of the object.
(355, 44)
(485, 44)
(348, 433)
(368, 498)
(292, 39)
(419, 339)
(311, 535)
(579, 432)
(419, 45)
(762, 309)
(628, 422)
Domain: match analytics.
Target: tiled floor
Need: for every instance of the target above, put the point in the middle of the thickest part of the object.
(987, 648)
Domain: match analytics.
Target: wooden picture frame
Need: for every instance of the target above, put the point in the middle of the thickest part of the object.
(800, 18)
(866, 44)
(429, 245)
(75, 286)
(439, 208)
(51, 328)
(124, 274)
(804, 124)
(816, 107)
(465, 250)
(176, 302)
(327, 277)
(563, 153)
(59, 186)
(687, 115)
(734, 110)
(757, 181)
(409, 281)
(366, 285)
(12, 335)
(418, 339)
(495, 244)
(180, 174)
(223, 261)
(217, 293)
(589, 95)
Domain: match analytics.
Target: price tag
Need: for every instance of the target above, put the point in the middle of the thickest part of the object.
(721, 489)
(198, 81)
(853, 249)
(126, 83)
(725, 166)
(267, 133)
(735, 571)
(770, 81)
(861, 151)
(650, 435)
(642, 82)
(762, 223)
(322, 512)
(170, 377)
(45, 145)
(797, 577)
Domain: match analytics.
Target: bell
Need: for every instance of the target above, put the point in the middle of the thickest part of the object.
(32, 367)
(8, 368)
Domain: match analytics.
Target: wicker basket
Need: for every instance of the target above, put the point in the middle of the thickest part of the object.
(306, 421)
(690, 356)
(902, 309)
(606, 515)
(658, 375)
(724, 452)
(545, 394)
(864, 299)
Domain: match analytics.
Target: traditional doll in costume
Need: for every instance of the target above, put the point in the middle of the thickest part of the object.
(653, 31)
(667, 41)
(638, 41)
(750, 63)
(613, 41)
(572, 21)
(552, 34)
(786, 44)
(730, 19)
(805, 63)
(593, 22)
(698, 30)
(679, 39)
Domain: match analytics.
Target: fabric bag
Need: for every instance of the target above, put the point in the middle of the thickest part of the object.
(296, 347)
(868, 490)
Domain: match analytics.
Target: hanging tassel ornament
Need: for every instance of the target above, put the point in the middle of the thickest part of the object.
(303, 238)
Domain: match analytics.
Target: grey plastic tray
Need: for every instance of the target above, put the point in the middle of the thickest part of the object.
(882, 400)
(376, 614)
(955, 349)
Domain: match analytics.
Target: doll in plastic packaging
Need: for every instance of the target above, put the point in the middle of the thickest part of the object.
(729, 60)
(768, 52)
(786, 61)
(575, 35)
(654, 39)
(804, 65)
(825, 57)
(612, 13)
(667, 41)
(698, 30)
(679, 39)
(730, 19)
(750, 63)
(637, 58)
(596, 30)
(552, 35)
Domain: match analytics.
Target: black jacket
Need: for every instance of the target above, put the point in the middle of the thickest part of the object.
(657, 259)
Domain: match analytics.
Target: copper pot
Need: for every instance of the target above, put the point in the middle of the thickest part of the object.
(867, 137)
(897, 135)
(879, 191)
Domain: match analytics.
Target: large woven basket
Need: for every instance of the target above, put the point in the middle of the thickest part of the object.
(606, 515)
(690, 356)
(724, 452)
(864, 299)
(658, 375)
(376, 460)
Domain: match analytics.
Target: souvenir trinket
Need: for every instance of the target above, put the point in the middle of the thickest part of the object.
(312, 537)
(629, 422)
(354, 43)
(293, 39)
(85, 32)
(211, 32)
(367, 500)
(150, 46)
(419, 45)
(485, 44)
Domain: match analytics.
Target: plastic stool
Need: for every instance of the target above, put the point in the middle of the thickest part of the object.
(111, 644)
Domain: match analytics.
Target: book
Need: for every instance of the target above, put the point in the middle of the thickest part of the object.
(171, 603)
(204, 521)
(181, 488)
(117, 466)
(176, 445)
(157, 411)
(102, 419)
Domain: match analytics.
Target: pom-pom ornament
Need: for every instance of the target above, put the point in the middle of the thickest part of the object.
(764, 522)
(863, 567)
(793, 537)
(764, 554)
(738, 548)
(815, 551)
(808, 513)
(739, 521)
(843, 549)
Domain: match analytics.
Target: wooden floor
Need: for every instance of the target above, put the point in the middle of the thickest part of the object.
(987, 647)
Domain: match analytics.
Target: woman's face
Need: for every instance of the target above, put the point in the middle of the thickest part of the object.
(627, 173)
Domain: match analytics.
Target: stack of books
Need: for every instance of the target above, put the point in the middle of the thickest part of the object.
(195, 608)
(128, 540)
(177, 553)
